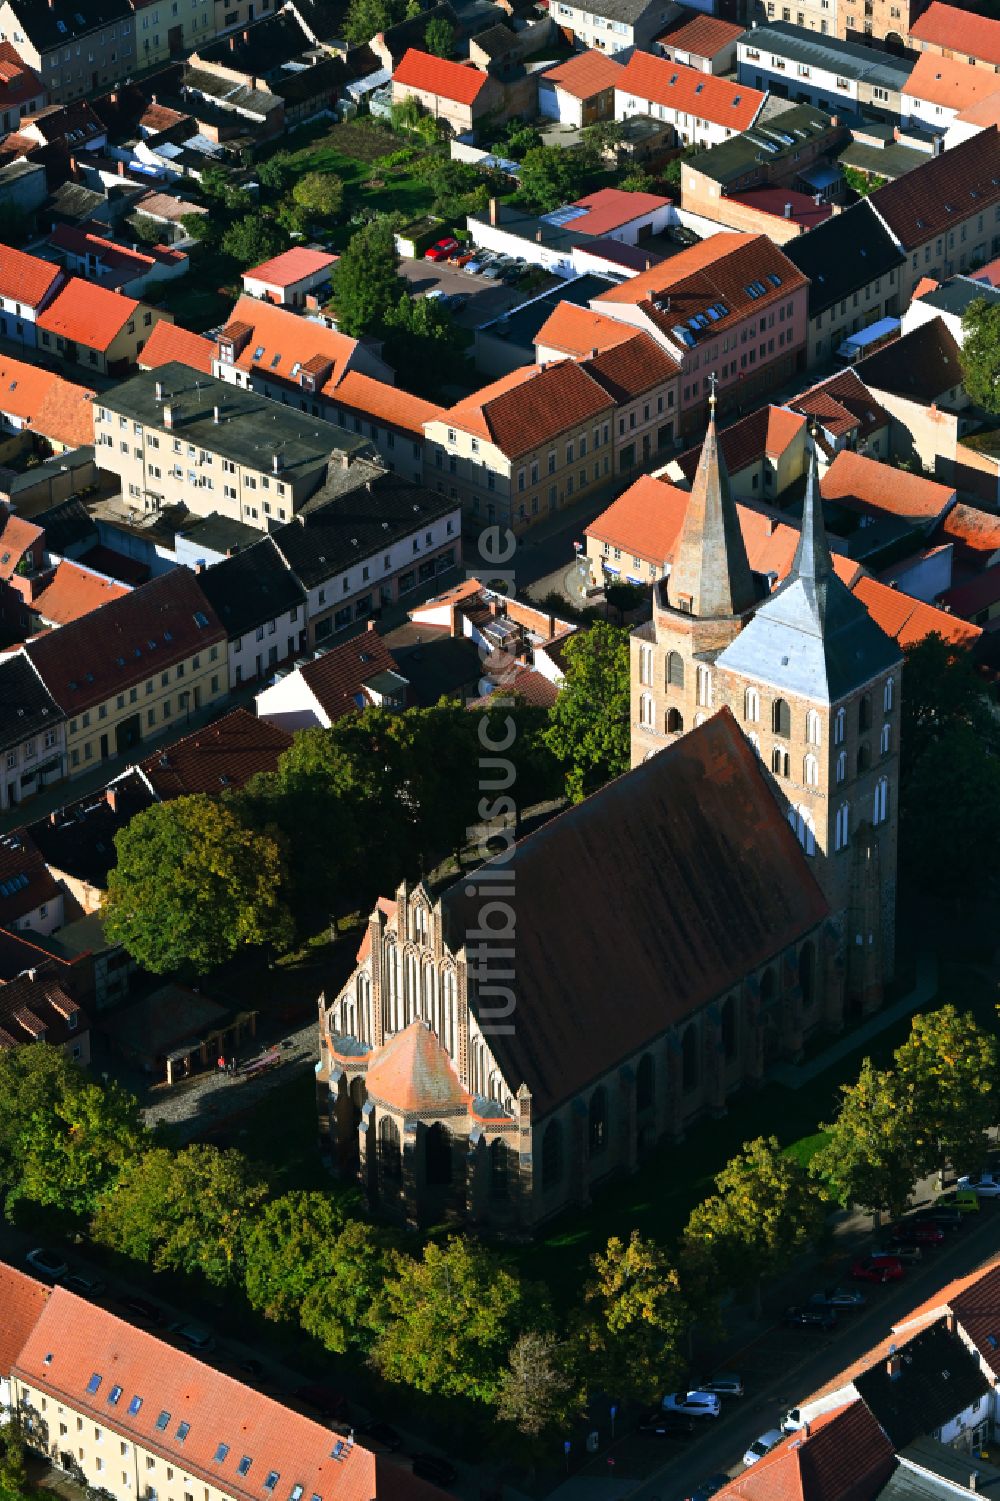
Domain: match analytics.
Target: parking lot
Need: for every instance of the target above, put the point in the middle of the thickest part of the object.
(487, 299)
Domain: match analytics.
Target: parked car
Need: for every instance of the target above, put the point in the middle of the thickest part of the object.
(461, 257)
(763, 1445)
(697, 1404)
(708, 1487)
(48, 1264)
(480, 261)
(432, 1467)
(498, 268)
(985, 1186)
(195, 1335)
(907, 1254)
(916, 1233)
(948, 1216)
(442, 249)
(843, 1299)
(724, 1384)
(140, 1309)
(659, 1424)
(809, 1318)
(887, 1268)
(681, 235)
(384, 1434)
(324, 1400)
(86, 1287)
(457, 301)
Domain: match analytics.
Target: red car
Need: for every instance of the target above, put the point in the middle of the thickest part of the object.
(917, 1233)
(877, 1269)
(442, 250)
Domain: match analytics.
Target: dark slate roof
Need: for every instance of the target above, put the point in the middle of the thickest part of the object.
(843, 254)
(665, 888)
(79, 838)
(938, 1378)
(261, 49)
(366, 519)
(780, 136)
(920, 366)
(225, 754)
(412, 33)
(954, 296)
(56, 25)
(251, 587)
(26, 706)
(218, 533)
(441, 666)
(945, 190)
(67, 525)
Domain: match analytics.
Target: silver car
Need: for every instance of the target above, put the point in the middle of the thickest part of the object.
(724, 1384)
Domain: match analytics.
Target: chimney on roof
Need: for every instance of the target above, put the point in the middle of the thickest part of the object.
(593, 353)
(371, 625)
(168, 414)
(834, 119)
(538, 236)
(894, 1365)
(153, 99)
(974, 1480)
(199, 567)
(158, 390)
(232, 43)
(276, 463)
(215, 414)
(494, 211)
(950, 1323)
(788, 210)
(806, 1429)
(111, 797)
(121, 169)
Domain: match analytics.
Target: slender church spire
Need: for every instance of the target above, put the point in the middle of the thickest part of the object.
(711, 575)
(812, 556)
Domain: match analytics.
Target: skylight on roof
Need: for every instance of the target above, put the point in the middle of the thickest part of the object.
(183, 1429)
(243, 1468)
(259, 352)
(95, 1379)
(134, 1405)
(221, 1453)
(162, 1421)
(296, 1493)
(276, 361)
(272, 1479)
(114, 1396)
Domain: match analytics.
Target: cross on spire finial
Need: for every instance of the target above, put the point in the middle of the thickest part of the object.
(713, 381)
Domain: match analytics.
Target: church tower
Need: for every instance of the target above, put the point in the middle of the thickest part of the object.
(698, 609)
(815, 684)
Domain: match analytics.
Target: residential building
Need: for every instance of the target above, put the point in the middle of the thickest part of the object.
(137, 666)
(219, 756)
(288, 279)
(581, 237)
(101, 330)
(872, 489)
(31, 900)
(612, 25)
(27, 285)
(166, 211)
(786, 149)
(705, 42)
(764, 453)
(74, 46)
(369, 539)
(575, 332)
(948, 301)
(733, 307)
(170, 28)
(272, 350)
(949, 31)
(854, 267)
(580, 90)
(909, 620)
(917, 379)
(833, 74)
(76, 127)
(261, 604)
(703, 109)
(171, 436)
(355, 675)
(842, 1453)
(393, 419)
(37, 401)
(34, 1007)
(886, 21)
(169, 342)
(500, 627)
(32, 733)
(455, 94)
(465, 1115)
(58, 595)
(843, 413)
(118, 267)
(525, 445)
(940, 90)
(644, 383)
(21, 91)
(945, 215)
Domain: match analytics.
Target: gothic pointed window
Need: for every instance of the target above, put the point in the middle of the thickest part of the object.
(499, 1169)
(842, 767)
(864, 713)
(646, 711)
(389, 1162)
(780, 762)
(801, 820)
(675, 670)
(814, 728)
(810, 770)
(781, 719)
(885, 739)
(880, 810)
(839, 720)
(645, 1082)
(646, 665)
(689, 1059)
(675, 722)
(842, 827)
(864, 757)
(730, 1028)
(888, 693)
(751, 706)
(704, 687)
(597, 1121)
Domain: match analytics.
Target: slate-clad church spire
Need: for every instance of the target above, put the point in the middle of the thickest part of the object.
(711, 574)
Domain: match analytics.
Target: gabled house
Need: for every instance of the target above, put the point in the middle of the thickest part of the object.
(261, 604)
(272, 350)
(393, 419)
(843, 413)
(355, 675)
(101, 330)
(121, 268)
(34, 400)
(948, 31)
(290, 278)
(31, 900)
(220, 756)
(703, 109)
(21, 91)
(580, 90)
(34, 1007)
(612, 25)
(32, 732)
(705, 42)
(454, 94)
(855, 269)
(73, 46)
(27, 285)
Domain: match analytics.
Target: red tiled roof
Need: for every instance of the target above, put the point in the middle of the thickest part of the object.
(291, 266)
(22, 1300)
(943, 190)
(120, 260)
(511, 676)
(73, 1339)
(562, 395)
(87, 314)
(24, 859)
(285, 340)
(975, 1302)
(845, 1457)
(842, 404)
(25, 278)
(704, 36)
(17, 82)
(632, 368)
(435, 75)
(387, 404)
(580, 331)
(609, 208)
(949, 82)
(412, 1072)
(862, 483)
(766, 433)
(908, 620)
(166, 206)
(225, 754)
(384, 904)
(145, 631)
(169, 341)
(74, 592)
(679, 87)
(585, 74)
(959, 31)
(975, 533)
(336, 678)
(16, 536)
(58, 409)
(777, 201)
(157, 117)
(984, 111)
(34, 1007)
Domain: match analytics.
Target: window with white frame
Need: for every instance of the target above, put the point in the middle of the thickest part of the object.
(888, 693)
(839, 720)
(801, 821)
(704, 687)
(810, 771)
(842, 825)
(814, 731)
(842, 768)
(645, 664)
(885, 739)
(751, 706)
(880, 810)
(646, 710)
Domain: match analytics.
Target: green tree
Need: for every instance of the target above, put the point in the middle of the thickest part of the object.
(641, 1317)
(215, 182)
(422, 339)
(366, 283)
(589, 723)
(862, 183)
(635, 181)
(766, 1210)
(147, 230)
(439, 38)
(950, 816)
(980, 353)
(185, 1211)
(319, 194)
(623, 597)
(202, 228)
(345, 1309)
(947, 1073)
(535, 1392)
(551, 176)
(601, 140)
(366, 18)
(277, 172)
(289, 1248)
(192, 886)
(451, 1318)
(251, 240)
(519, 139)
(942, 690)
(671, 173)
(869, 1159)
(13, 1471)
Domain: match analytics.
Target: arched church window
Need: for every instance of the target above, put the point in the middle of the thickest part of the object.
(751, 706)
(880, 811)
(499, 1169)
(689, 1059)
(675, 670)
(864, 713)
(814, 728)
(781, 718)
(390, 1166)
(780, 764)
(646, 710)
(810, 770)
(675, 722)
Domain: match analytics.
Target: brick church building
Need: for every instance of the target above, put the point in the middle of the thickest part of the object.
(504, 1046)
